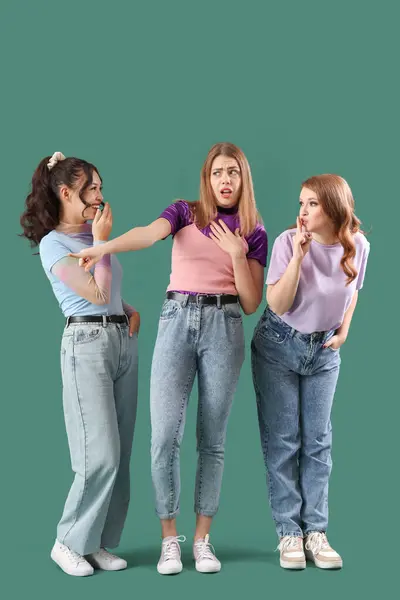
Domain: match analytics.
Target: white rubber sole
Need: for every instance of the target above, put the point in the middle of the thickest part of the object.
(72, 573)
(323, 564)
(294, 566)
(210, 569)
(169, 571)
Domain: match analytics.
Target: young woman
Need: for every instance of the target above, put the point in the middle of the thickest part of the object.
(218, 259)
(98, 359)
(315, 273)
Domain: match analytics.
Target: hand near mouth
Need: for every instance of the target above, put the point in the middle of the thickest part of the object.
(301, 241)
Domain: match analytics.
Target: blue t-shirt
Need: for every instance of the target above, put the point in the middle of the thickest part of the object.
(55, 246)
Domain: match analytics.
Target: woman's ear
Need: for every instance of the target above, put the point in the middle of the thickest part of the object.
(64, 193)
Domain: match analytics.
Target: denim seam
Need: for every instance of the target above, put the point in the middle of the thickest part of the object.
(200, 483)
(206, 513)
(80, 503)
(121, 353)
(313, 530)
(264, 443)
(174, 444)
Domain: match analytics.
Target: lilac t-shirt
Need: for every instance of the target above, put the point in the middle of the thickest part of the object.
(322, 296)
(179, 215)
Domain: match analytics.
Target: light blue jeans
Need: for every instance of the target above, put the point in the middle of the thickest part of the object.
(99, 365)
(295, 380)
(209, 341)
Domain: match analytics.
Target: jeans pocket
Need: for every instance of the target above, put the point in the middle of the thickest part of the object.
(85, 335)
(233, 312)
(169, 309)
(273, 329)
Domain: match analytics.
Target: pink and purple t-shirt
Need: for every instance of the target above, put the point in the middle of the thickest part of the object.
(199, 266)
(322, 296)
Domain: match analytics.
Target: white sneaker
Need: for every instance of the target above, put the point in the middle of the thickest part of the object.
(106, 561)
(319, 551)
(292, 552)
(204, 556)
(70, 562)
(170, 560)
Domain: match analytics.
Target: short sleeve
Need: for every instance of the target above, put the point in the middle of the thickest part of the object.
(178, 214)
(363, 267)
(52, 250)
(258, 245)
(282, 253)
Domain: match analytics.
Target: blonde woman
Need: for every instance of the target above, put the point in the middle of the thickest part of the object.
(218, 259)
(315, 273)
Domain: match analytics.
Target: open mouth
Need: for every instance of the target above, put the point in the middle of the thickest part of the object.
(226, 192)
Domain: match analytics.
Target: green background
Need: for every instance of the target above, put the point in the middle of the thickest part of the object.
(143, 90)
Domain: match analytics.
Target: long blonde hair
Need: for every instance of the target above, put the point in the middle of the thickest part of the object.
(336, 198)
(205, 210)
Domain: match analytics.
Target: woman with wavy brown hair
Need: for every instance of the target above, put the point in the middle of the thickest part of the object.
(218, 259)
(315, 273)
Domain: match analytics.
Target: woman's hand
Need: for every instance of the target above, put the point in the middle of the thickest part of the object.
(232, 243)
(88, 257)
(102, 224)
(301, 241)
(335, 342)
(134, 324)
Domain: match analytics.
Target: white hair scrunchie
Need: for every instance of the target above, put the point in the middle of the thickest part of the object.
(57, 156)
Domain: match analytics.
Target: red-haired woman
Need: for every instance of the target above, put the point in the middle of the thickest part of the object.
(315, 273)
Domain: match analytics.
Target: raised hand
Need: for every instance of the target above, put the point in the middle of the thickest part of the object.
(102, 224)
(101, 229)
(301, 241)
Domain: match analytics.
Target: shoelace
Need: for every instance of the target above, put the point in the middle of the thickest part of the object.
(171, 548)
(73, 556)
(106, 555)
(316, 541)
(288, 542)
(204, 549)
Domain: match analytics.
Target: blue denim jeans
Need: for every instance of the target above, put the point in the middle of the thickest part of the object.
(295, 379)
(209, 341)
(99, 372)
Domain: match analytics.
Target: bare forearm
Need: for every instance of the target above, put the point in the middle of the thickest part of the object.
(281, 297)
(348, 315)
(139, 238)
(135, 239)
(249, 290)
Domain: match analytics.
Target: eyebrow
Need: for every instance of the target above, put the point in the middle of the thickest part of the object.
(221, 168)
(311, 198)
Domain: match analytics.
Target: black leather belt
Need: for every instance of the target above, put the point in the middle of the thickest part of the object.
(98, 319)
(203, 298)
